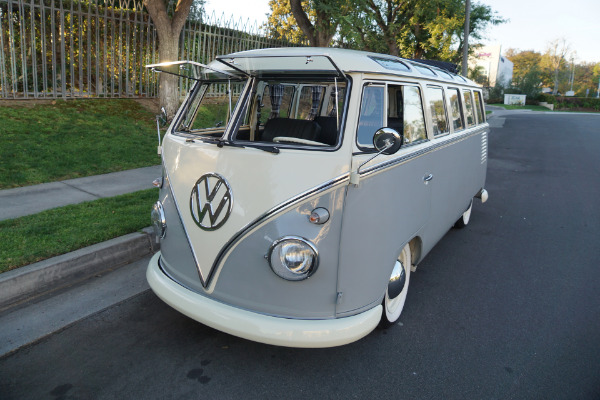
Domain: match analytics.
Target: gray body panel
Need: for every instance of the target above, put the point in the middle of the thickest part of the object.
(392, 206)
(247, 281)
(386, 210)
(245, 278)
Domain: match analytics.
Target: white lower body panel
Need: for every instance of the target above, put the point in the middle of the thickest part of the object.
(259, 327)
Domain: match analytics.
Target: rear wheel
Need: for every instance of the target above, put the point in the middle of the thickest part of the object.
(464, 219)
(395, 293)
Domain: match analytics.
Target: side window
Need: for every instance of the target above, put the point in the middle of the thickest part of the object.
(405, 112)
(332, 107)
(276, 101)
(371, 115)
(435, 99)
(478, 107)
(311, 98)
(469, 108)
(414, 121)
(456, 110)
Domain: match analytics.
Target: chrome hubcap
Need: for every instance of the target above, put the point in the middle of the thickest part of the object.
(397, 281)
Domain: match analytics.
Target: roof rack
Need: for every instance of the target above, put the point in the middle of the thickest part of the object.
(447, 66)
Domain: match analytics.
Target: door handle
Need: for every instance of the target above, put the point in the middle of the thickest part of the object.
(427, 178)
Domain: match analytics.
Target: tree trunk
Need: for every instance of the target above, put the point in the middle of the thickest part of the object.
(168, 84)
(321, 33)
(168, 30)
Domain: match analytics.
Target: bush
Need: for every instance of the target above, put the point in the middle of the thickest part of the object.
(546, 97)
(577, 103)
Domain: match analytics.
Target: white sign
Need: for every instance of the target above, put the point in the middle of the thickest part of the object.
(516, 99)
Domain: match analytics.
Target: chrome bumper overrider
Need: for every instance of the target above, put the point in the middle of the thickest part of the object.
(259, 327)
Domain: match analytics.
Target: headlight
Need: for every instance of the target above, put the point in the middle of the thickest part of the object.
(159, 224)
(293, 258)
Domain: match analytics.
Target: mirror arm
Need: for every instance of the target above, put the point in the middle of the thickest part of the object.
(158, 149)
(355, 175)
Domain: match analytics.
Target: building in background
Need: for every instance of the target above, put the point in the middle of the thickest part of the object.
(494, 66)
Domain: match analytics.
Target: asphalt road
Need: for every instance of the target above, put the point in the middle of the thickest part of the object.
(507, 308)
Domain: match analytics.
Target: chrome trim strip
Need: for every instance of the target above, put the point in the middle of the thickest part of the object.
(291, 202)
(447, 141)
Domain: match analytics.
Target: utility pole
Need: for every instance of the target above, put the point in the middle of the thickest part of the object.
(465, 60)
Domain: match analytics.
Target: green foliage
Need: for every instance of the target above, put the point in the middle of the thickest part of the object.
(546, 98)
(533, 70)
(577, 103)
(414, 29)
(529, 83)
(496, 94)
(61, 230)
(518, 107)
(281, 24)
(71, 139)
(477, 74)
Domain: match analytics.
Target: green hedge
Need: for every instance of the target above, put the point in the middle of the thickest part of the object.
(579, 103)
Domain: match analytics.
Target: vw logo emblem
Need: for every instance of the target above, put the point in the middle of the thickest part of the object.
(211, 201)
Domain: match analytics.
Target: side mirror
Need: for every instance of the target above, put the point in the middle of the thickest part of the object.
(162, 117)
(387, 141)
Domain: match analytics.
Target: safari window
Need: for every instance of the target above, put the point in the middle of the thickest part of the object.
(435, 99)
(456, 110)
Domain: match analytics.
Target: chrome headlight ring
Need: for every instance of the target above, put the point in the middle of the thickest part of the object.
(293, 258)
(159, 223)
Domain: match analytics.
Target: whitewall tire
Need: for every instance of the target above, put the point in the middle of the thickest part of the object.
(395, 296)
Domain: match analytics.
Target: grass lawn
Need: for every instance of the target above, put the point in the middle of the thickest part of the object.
(61, 230)
(526, 107)
(75, 138)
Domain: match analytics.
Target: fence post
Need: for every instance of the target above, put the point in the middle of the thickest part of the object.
(53, 49)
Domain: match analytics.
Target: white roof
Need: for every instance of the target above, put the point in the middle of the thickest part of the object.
(332, 59)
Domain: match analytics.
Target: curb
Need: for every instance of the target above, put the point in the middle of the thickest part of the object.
(58, 272)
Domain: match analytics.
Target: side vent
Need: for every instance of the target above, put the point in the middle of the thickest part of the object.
(484, 147)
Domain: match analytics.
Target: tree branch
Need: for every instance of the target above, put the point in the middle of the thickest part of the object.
(158, 13)
(182, 10)
(303, 21)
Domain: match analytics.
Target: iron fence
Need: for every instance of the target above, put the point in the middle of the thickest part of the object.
(98, 48)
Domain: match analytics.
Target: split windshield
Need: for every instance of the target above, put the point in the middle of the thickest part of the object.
(279, 110)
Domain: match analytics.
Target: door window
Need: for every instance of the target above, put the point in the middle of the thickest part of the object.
(371, 115)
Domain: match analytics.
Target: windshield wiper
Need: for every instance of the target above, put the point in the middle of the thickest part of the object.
(269, 149)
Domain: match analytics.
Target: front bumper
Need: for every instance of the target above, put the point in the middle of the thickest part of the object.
(259, 327)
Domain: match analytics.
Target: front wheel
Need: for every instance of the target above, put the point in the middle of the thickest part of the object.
(395, 293)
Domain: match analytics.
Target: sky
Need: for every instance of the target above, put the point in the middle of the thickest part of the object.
(532, 23)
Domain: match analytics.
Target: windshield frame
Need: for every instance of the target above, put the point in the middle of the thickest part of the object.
(240, 109)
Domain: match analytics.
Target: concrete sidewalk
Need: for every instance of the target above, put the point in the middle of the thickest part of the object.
(34, 295)
(34, 199)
